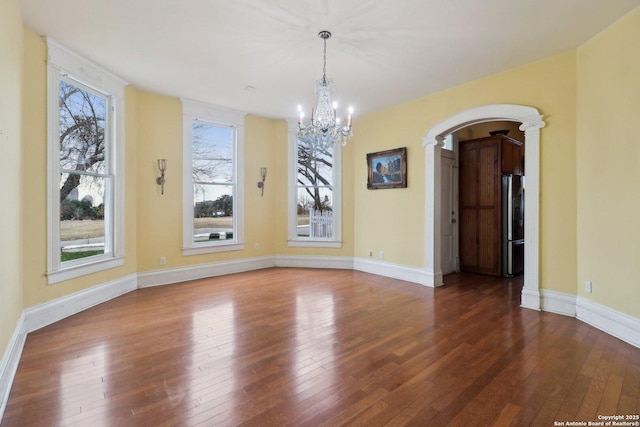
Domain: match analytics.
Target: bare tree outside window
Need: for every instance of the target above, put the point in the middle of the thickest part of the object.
(212, 153)
(83, 170)
(315, 186)
(82, 135)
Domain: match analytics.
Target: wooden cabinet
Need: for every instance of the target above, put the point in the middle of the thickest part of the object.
(482, 163)
(512, 156)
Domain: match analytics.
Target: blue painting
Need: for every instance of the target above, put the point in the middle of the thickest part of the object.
(387, 169)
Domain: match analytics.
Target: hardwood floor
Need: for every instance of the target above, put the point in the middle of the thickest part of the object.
(304, 347)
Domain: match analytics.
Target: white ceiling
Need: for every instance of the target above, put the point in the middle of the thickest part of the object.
(382, 53)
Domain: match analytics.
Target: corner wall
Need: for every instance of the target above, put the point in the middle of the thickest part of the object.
(11, 116)
(608, 166)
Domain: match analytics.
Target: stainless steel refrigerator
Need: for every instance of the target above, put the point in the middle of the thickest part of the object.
(512, 225)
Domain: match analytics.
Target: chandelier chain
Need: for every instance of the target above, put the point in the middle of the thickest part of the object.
(324, 67)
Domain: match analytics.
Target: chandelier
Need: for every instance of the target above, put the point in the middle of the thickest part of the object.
(325, 128)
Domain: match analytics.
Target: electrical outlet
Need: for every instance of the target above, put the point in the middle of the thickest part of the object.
(588, 286)
(256, 246)
(370, 253)
(163, 260)
(381, 254)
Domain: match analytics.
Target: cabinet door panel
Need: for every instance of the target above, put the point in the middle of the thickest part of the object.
(468, 177)
(480, 183)
(488, 175)
(517, 160)
(507, 157)
(468, 206)
(489, 241)
(468, 243)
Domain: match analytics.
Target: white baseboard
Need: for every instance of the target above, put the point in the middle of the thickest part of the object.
(530, 298)
(394, 271)
(10, 361)
(433, 279)
(45, 314)
(194, 272)
(558, 302)
(611, 321)
(314, 261)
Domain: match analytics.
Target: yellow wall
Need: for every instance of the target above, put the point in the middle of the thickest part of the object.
(261, 147)
(393, 220)
(34, 145)
(608, 159)
(34, 142)
(159, 216)
(159, 234)
(10, 169)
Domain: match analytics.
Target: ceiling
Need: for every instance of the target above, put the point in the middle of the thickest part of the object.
(264, 56)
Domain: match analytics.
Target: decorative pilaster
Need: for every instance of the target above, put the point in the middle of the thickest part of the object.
(531, 126)
(433, 197)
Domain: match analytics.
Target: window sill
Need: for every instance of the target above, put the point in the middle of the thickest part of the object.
(71, 272)
(308, 243)
(208, 249)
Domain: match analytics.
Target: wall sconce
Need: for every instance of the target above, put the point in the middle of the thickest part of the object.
(263, 174)
(162, 165)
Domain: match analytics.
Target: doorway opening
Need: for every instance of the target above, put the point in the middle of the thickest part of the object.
(482, 187)
(530, 122)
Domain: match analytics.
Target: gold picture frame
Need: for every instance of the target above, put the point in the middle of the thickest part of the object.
(387, 169)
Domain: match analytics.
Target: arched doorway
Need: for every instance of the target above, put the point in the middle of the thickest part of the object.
(531, 123)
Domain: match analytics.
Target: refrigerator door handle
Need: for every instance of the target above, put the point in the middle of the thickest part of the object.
(510, 209)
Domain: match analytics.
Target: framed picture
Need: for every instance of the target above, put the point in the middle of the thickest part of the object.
(387, 169)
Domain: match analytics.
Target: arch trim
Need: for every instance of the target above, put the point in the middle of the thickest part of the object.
(531, 121)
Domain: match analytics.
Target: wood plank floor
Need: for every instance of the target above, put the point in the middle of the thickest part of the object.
(305, 347)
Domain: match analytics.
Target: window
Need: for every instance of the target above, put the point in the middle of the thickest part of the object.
(213, 141)
(85, 105)
(314, 218)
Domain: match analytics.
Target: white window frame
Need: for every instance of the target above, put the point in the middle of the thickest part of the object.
(192, 110)
(299, 241)
(63, 63)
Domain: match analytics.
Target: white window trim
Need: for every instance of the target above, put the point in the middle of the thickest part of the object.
(294, 240)
(61, 61)
(223, 116)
